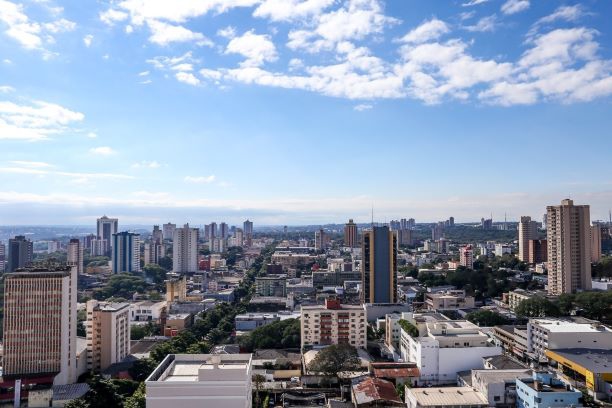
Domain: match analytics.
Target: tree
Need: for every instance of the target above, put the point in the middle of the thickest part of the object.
(282, 334)
(565, 302)
(156, 273)
(409, 328)
(258, 380)
(138, 399)
(141, 369)
(537, 307)
(102, 394)
(595, 305)
(486, 318)
(335, 359)
(166, 263)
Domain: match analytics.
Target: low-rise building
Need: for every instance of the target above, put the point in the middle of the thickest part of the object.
(498, 386)
(455, 397)
(251, 321)
(197, 380)
(375, 392)
(146, 311)
(516, 296)
(333, 323)
(543, 390)
(449, 300)
(271, 285)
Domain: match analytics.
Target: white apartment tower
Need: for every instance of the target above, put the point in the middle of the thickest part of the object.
(40, 317)
(108, 334)
(569, 247)
(527, 230)
(466, 257)
(185, 250)
(75, 255)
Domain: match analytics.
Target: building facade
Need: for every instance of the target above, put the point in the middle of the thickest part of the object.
(75, 255)
(126, 252)
(20, 253)
(108, 334)
(379, 266)
(527, 230)
(185, 250)
(106, 227)
(333, 323)
(466, 257)
(350, 234)
(568, 237)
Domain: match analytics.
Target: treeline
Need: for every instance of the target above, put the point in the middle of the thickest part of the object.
(481, 283)
(593, 305)
(281, 334)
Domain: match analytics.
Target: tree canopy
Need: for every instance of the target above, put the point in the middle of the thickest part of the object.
(537, 307)
(335, 359)
(281, 334)
(486, 318)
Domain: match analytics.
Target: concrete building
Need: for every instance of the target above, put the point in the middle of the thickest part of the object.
(147, 311)
(544, 391)
(126, 252)
(185, 250)
(247, 227)
(176, 289)
(595, 243)
(2, 257)
(537, 251)
(569, 247)
(168, 231)
(502, 249)
(20, 253)
(108, 334)
(449, 300)
(379, 266)
(455, 397)
(333, 323)
(350, 234)
(498, 386)
(444, 347)
(271, 286)
(466, 257)
(527, 230)
(550, 334)
(99, 247)
(75, 255)
(201, 380)
(251, 321)
(106, 228)
(153, 252)
(39, 324)
(516, 296)
(321, 240)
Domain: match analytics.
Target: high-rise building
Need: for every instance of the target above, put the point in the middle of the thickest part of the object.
(321, 240)
(527, 230)
(207, 232)
(466, 257)
(595, 243)
(108, 334)
(486, 224)
(451, 222)
(168, 231)
(537, 251)
(106, 228)
(157, 235)
(247, 227)
(223, 230)
(2, 257)
(379, 265)
(153, 252)
(569, 247)
(87, 240)
(238, 237)
(404, 237)
(437, 231)
(98, 247)
(39, 324)
(350, 234)
(75, 255)
(333, 323)
(126, 252)
(185, 250)
(213, 233)
(411, 223)
(20, 253)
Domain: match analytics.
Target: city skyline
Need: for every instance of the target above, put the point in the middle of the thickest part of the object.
(302, 112)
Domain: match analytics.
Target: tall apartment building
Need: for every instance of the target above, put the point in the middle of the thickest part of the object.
(350, 234)
(538, 251)
(379, 266)
(466, 257)
(333, 323)
(2, 257)
(20, 253)
(106, 228)
(168, 230)
(75, 255)
(569, 247)
(247, 227)
(99, 247)
(126, 252)
(223, 230)
(153, 252)
(238, 237)
(157, 235)
(108, 334)
(527, 230)
(213, 233)
(595, 243)
(39, 324)
(404, 237)
(185, 250)
(321, 240)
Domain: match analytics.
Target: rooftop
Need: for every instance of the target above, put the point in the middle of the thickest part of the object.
(593, 360)
(201, 367)
(375, 389)
(447, 396)
(570, 326)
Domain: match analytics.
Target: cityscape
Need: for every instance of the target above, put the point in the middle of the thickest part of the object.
(305, 203)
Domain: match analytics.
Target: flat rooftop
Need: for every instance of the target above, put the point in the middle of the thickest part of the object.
(201, 367)
(447, 396)
(594, 360)
(569, 326)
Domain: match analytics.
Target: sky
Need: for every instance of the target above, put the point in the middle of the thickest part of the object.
(302, 111)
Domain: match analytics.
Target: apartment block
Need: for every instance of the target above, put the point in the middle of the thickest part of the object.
(108, 334)
(449, 300)
(333, 323)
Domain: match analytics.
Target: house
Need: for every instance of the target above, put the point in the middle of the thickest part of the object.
(375, 392)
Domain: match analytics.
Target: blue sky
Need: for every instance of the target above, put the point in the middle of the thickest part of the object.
(302, 111)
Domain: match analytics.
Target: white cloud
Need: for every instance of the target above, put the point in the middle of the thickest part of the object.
(210, 74)
(228, 32)
(112, 16)
(200, 179)
(146, 165)
(566, 13)
(60, 26)
(102, 151)
(92, 135)
(143, 73)
(427, 31)
(474, 3)
(485, 24)
(514, 6)
(257, 48)
(184, 67)
(87, 40)
(164, 34)
(37, 121)
(6, 89)
(43, 169)
(31, 164)
(129, 29)
(363, 106)
(287, 10)
(187, 78)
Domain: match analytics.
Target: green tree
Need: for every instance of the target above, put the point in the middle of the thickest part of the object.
(409, 328)
(141, 369)
(166, 263)
(138, 399)
(281, 334)
(335, 359)
(537, 307)
(595, 305)
(156, 273)
(486, 318)
(258, 380)
(102, 394)
(565, 303)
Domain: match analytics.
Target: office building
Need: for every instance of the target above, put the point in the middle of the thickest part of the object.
(75, 255)
(39, 324)
(168, 231)
(537, 250)
(107, 227)
(333, 323)
(271, 286)
(20, 253)
(466, 257)
(2, 257)
(185, 250)
(569, 248)
(379, 266)
(595, 243)
(108, 334)
(350, 234)
(527, 230)
(201, 380)
(247, 227)
(126, 252)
